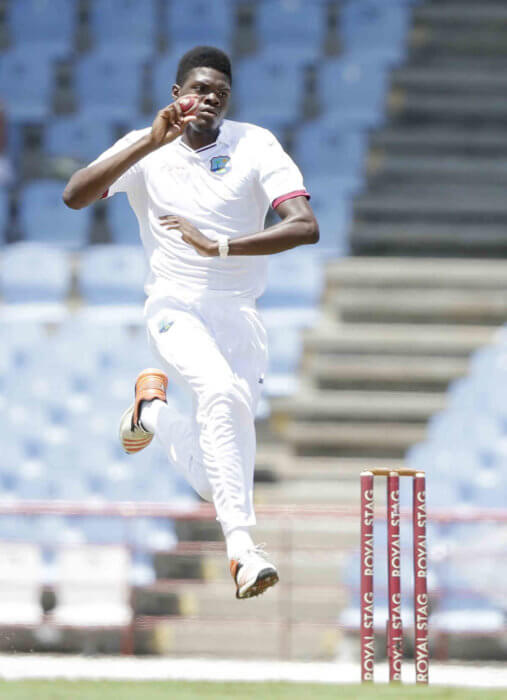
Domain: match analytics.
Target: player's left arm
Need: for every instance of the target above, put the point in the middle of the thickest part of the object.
(298, 226)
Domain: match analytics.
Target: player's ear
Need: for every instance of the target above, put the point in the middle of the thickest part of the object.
(175, 91)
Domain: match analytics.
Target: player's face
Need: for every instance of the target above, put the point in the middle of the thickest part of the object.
(214, 91)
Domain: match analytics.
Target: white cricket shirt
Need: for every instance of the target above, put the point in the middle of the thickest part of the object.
(224, 188)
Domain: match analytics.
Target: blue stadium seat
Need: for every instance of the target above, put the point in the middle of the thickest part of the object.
(33, 272)
(259, 101)
(16, 527)
(332, 204)
(109, 86)
(45, 218)
(142, 572)
(298, 24)
(112, 274)
(164, 77)
(127, 27)
(325, 148)
(152, 534)
(123, 223)
(200, 22)
(358, 93)
(45, 26)
(26, 79)
(78, 136)
(4, 214)
(380, 27)
(295, 279)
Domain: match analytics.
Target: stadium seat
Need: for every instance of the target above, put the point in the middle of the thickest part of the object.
(123, 223)
(379, 27)
(34, 272)
(112, 274)
(26, 79)
(44, 26)
(332, 204)
(200, 22)
(20, 579)
(4, 214)
(324, 148)
(295, 279)
(297, 24)
(125, 27)
(142, 571)
(92, 586)
(358, 94)
(45, 218)
(108, 86)
(78, 136)
(151, 534)
(164, 77)
(258, 101)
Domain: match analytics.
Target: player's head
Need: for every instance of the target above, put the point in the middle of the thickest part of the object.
(205, 71)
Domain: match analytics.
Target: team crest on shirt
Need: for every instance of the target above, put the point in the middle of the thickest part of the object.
(164, 326)
(220, 164)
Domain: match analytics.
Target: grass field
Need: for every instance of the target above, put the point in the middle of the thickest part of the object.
(146, 690)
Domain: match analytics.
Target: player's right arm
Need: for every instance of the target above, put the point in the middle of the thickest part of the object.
(89, 184)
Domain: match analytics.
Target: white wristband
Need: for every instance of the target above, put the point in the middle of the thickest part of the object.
(223, 245)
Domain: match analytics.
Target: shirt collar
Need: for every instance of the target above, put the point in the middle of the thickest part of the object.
(222, 140)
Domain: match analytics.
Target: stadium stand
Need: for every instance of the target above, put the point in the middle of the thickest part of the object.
(375, 366)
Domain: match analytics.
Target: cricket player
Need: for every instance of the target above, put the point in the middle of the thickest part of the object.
(200, 186)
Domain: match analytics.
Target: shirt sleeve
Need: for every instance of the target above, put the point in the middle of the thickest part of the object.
(130, 177)
(279, 177)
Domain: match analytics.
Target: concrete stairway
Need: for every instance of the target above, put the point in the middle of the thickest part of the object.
(394, 333)
(437, 172)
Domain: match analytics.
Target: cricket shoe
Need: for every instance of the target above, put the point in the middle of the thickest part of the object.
(150, 384)
(253, 573)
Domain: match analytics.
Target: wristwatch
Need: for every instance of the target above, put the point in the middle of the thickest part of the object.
(223, 245)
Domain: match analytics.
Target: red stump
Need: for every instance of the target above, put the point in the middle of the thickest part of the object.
(367, 630)
(420, 581)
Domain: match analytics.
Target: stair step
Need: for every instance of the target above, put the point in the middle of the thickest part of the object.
(214, 601)
(409, 106)
(491, 14)
(394, 340)
(431, 79)
(446, 206)
(449, 306)
(353, 439)
(402, 274)
(336, 493)
(355, 406)
(421, 238)
(388, 373)
(331, 468)
(264, 640)
(442, 141)
(439, 169)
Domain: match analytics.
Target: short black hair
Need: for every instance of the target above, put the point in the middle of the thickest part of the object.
(203, 57)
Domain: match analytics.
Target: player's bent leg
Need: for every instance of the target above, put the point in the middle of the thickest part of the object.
(150, 384)
(253, 573)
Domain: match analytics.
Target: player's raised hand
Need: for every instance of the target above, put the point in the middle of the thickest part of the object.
(172, 120)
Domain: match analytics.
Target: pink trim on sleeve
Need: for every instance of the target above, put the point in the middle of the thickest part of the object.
(297, 193)
(103, 196)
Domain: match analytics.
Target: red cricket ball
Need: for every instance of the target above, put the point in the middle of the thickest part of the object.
(188, 103)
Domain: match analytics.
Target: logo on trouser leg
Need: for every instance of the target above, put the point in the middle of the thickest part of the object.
(164, 326)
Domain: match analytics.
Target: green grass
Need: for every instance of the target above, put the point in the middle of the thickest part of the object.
(110, 690)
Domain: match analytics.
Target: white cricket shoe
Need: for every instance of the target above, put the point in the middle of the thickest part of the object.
(253, 573)
(150, 384)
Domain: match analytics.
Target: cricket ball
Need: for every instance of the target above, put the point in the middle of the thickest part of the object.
(188, 103)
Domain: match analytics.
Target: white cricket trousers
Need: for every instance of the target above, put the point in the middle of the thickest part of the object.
(215, 347)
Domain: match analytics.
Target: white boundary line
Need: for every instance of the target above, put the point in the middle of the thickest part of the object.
(50, 667)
